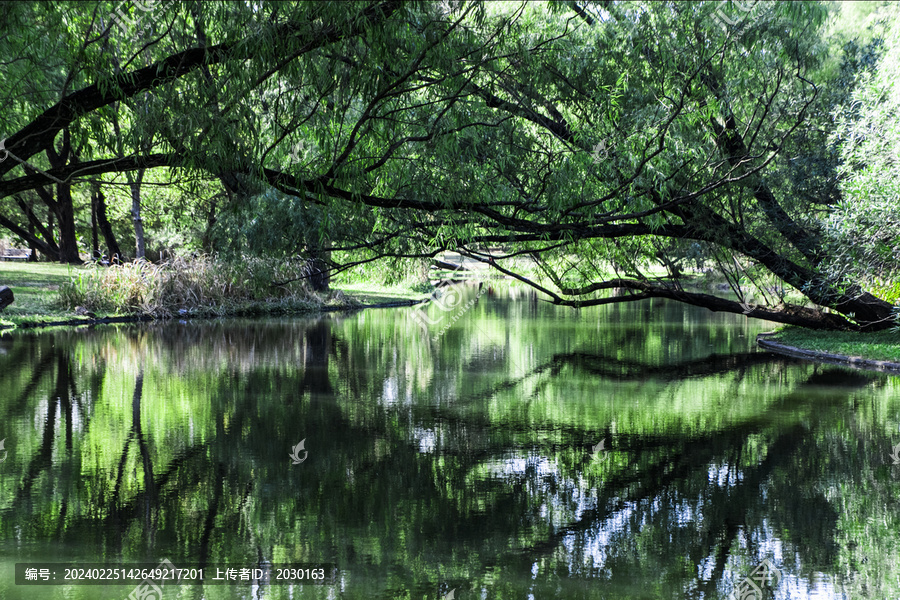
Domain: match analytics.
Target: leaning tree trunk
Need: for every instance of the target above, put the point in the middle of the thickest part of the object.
(865, 311)
(34, 227)
(50, 252)
(64, 210)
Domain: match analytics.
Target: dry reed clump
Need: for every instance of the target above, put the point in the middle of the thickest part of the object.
(201, 285)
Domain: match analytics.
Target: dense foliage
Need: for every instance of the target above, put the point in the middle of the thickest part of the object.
(572, 145)
(865, 224)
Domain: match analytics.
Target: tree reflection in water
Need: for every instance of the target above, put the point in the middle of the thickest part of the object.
(427, 472)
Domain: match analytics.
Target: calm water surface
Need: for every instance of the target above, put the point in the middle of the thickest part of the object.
(527, 452)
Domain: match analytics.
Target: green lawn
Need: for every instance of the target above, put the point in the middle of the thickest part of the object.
(882, 345)
(34, 286)
(371, 293)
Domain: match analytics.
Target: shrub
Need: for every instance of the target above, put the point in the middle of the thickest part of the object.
(201, 285)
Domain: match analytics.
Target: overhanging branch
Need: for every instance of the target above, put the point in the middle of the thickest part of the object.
(40, 133)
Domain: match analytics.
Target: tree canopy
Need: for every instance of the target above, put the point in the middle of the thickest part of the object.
(588, 141)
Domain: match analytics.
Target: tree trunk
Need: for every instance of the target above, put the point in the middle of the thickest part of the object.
(869, 313)
(105, 228)
(6, 297)
(65, 213)
(95, 246)
(318, 279)
(140, 248)
(32, 256)
(320, 276)
(62, 205)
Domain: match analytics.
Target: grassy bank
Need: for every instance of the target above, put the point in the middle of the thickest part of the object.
(52, 293)
(374, 293)
(199, 286)
(35, 287)
(882, 345)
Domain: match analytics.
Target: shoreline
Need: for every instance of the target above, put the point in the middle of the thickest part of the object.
(92, 322)
(855, 362)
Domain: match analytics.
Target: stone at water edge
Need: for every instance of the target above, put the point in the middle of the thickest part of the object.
(6, 297)
(83, 312)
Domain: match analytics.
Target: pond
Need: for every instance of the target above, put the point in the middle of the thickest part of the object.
(505, 449)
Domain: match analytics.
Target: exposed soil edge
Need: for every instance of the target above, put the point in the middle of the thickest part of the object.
(143, 318)
(856, 362)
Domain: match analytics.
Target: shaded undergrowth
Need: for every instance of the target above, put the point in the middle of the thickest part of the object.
(197, 286)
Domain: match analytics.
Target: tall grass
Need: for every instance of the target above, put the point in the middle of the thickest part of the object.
(201, 285)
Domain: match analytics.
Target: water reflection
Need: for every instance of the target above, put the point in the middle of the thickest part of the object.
(462, 462)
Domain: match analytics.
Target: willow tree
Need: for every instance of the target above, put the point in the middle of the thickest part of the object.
(579, 135)
(864, 224)
(583, 135)
(103, 88)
